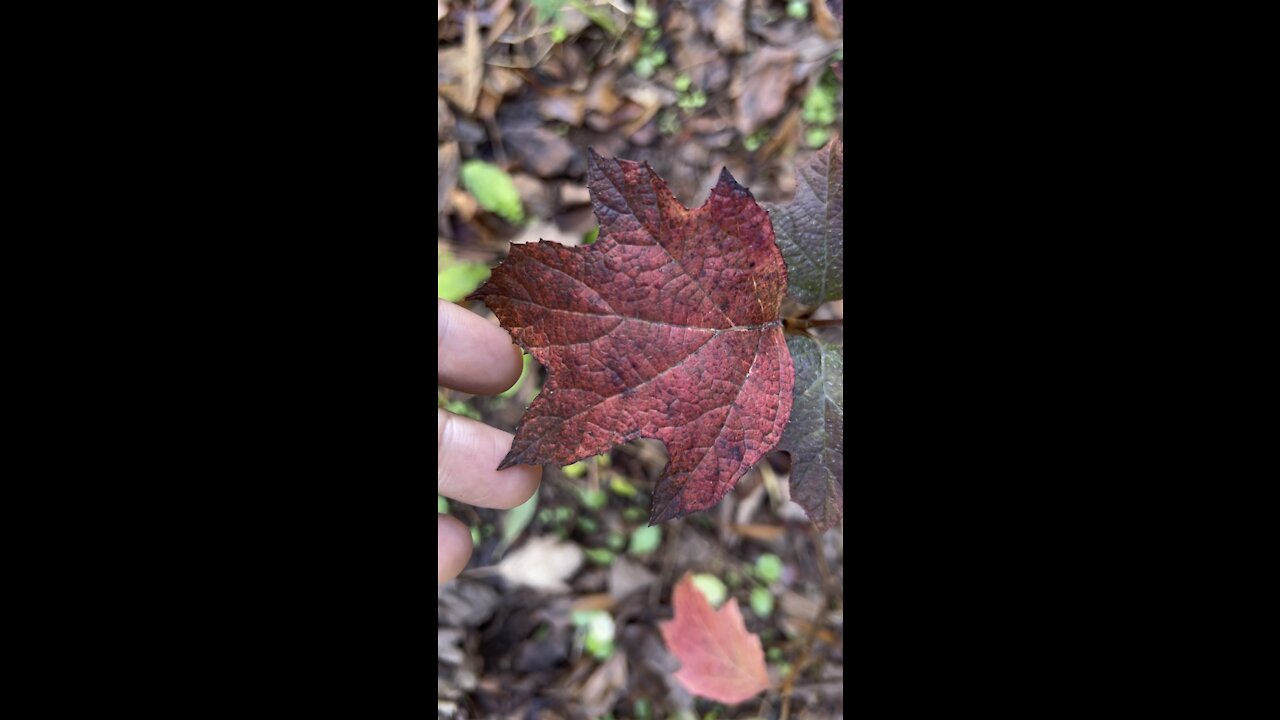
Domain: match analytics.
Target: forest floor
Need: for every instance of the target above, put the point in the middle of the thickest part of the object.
(524, 88)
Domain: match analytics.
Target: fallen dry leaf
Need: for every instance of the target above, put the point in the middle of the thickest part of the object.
(563, 106)
(461, 69)
(626, 577)
(765, 84)
(605, 686)
(725, 20)
(446, 174)
(718, 658)
(542, 564)
(540, 150)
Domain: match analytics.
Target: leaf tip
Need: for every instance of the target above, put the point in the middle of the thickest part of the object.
(593, 158)
(670, 510)
(728, 185)
(512, 458)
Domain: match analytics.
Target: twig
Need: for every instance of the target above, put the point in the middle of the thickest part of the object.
(823, 568)
(668, 561)
(593, 474)
(771, 485)
(789, 682)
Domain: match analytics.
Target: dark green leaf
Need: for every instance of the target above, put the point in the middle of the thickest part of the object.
(815, 435)
(810, 228)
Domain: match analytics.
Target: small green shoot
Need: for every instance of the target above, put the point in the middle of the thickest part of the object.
(693, 100)
(820, 103)
(458, 407)
(769, 567)
(598, 631)
(668, 123)
(516, 520)
(455, 282)
(524, 373)
(816, 137)
(762, 602)
(711, 588)
(599, 556)
(592, 499)
(651, 56)
(643, 67)
(645, 17)
(547, 9)
(620, 486)
(645, 540)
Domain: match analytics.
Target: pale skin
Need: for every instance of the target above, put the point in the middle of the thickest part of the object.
(474, 356)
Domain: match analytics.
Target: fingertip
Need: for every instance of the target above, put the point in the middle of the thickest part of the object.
(530, 480)
(517, 356)
(514, 364)
(454, 547)
(468, 453)
(473, 354)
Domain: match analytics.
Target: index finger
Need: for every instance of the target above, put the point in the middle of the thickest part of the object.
(473, 355)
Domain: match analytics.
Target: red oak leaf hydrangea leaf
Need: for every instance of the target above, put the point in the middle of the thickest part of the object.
(718, 658)
(666, 327)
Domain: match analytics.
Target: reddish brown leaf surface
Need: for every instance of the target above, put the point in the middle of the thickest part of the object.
(666, 327)
(718, 658)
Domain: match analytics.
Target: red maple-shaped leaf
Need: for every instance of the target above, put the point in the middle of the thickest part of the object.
(666, 327)
(718, 658)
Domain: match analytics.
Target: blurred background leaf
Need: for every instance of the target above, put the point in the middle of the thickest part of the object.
(493, 188)
(456, 279)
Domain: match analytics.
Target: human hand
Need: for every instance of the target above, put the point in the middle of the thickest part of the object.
(473, 356)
